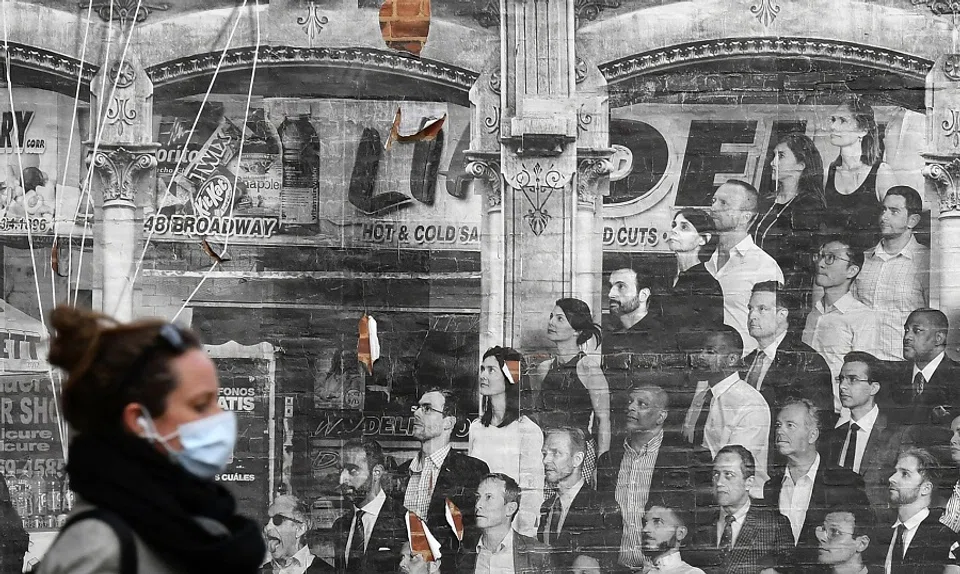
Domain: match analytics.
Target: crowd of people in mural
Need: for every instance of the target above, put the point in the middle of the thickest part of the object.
(782, 403)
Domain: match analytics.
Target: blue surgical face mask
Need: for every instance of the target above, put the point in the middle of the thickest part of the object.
(207, 443)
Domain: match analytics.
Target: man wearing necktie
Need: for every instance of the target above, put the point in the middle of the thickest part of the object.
(370, 535)
(748, 538)
(927, 398)
(864, 440)
(917, 542)
(576, 520)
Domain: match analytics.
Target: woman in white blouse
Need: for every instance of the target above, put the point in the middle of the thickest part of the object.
(506, 440)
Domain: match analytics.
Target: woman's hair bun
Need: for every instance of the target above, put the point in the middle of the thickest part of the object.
(75, 338)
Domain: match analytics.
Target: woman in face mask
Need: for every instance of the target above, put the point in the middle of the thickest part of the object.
(150, 437)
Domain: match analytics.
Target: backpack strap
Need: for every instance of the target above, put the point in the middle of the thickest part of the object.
(128, 546)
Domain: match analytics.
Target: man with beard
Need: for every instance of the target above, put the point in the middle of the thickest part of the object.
(635, 327)
(369, 536)
(664, 529)
(738, 263)
(916, 543)
(284, 533)
(843, 539)
(439, 480)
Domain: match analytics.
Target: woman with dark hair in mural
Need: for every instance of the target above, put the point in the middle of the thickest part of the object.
(151, 436)
(694, 301)
(858, 179)
(506, 440)
(789, 222)
(571, 389)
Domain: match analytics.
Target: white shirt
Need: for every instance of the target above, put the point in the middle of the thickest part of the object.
(771, 352)
(298, 563)
(911, 526)
(566, 499)
(737, 523)
(747, 266)
(847, 325)
(927, 371)
(795, 497)
(672, 564)
(865, 423)
(738, 415)
(371, 511)
(496, 561)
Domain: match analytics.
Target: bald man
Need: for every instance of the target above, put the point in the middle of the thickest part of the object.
(738, 264)
(650, 460)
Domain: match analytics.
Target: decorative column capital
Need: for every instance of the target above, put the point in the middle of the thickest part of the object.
(121, 170)
(485, 166)
(944, 172)
(591, 170)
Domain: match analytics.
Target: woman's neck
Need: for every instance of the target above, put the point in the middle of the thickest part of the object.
(498, 408)
(687, 259)
(850, 156)
(567, 350)
(787, 190)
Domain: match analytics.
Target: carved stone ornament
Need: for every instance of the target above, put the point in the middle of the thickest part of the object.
(488, 170)
(123, 10)
(123, 74)
(495, 81)
(590, 172)
(119, 169)
(580, 70)
(538, 184)
(583, 11)
(939, 7)
(951, 67)
(766, 11)
(946, 176)
(492, 122)
(313, 21)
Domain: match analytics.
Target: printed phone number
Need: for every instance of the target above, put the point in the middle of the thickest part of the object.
(37, 225)
(41, 466)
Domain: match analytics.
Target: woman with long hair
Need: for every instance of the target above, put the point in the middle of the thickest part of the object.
(143, 400)
(694, 300)
(506, 440)
(858, 179)
(571, 388)
(790, 221)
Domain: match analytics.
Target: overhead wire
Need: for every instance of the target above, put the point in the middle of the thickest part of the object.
(131, 278)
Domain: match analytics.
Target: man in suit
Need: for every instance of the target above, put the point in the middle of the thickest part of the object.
(844, 537)
(783, 365)
(726, 410)
(649, 461)
(501, 550)
(438, 474)
(864, 440)
(925, 395)
(577, 519)
(809, 485)
(746, 538)
(917, 542)
(369, 536)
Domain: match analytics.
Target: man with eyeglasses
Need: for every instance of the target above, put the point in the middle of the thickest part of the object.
(284, 532)
(864, 439)
(369, 536)
(839, 322)
(440, 481)
(844, 538)
(895, 278)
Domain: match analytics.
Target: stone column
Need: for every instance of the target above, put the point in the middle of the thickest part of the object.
(942, 174)
(123, 156)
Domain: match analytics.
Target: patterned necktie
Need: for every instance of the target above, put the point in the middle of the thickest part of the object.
(918, 381)
(951, 516)
(753, 376)
(553, 532)
(726, 539)
(356, 545)
(851, 446)
(897, 559)
(702, 417)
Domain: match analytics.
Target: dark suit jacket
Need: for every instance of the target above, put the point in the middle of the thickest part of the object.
(529, 557)
(879, 457)
(832, 486)
(695, 303)
(383, 550)
(928, 416)
(765, 541)
(593, 527)
(457, 480)
(797, 369)
(928, 551)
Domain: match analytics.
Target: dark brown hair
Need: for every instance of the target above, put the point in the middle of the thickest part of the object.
(99, 354)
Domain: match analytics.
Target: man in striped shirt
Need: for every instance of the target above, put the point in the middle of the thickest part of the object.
(647, 462)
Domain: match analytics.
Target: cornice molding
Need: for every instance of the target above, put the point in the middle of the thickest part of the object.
(699, 52)
(51, 62)
(203, 64)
